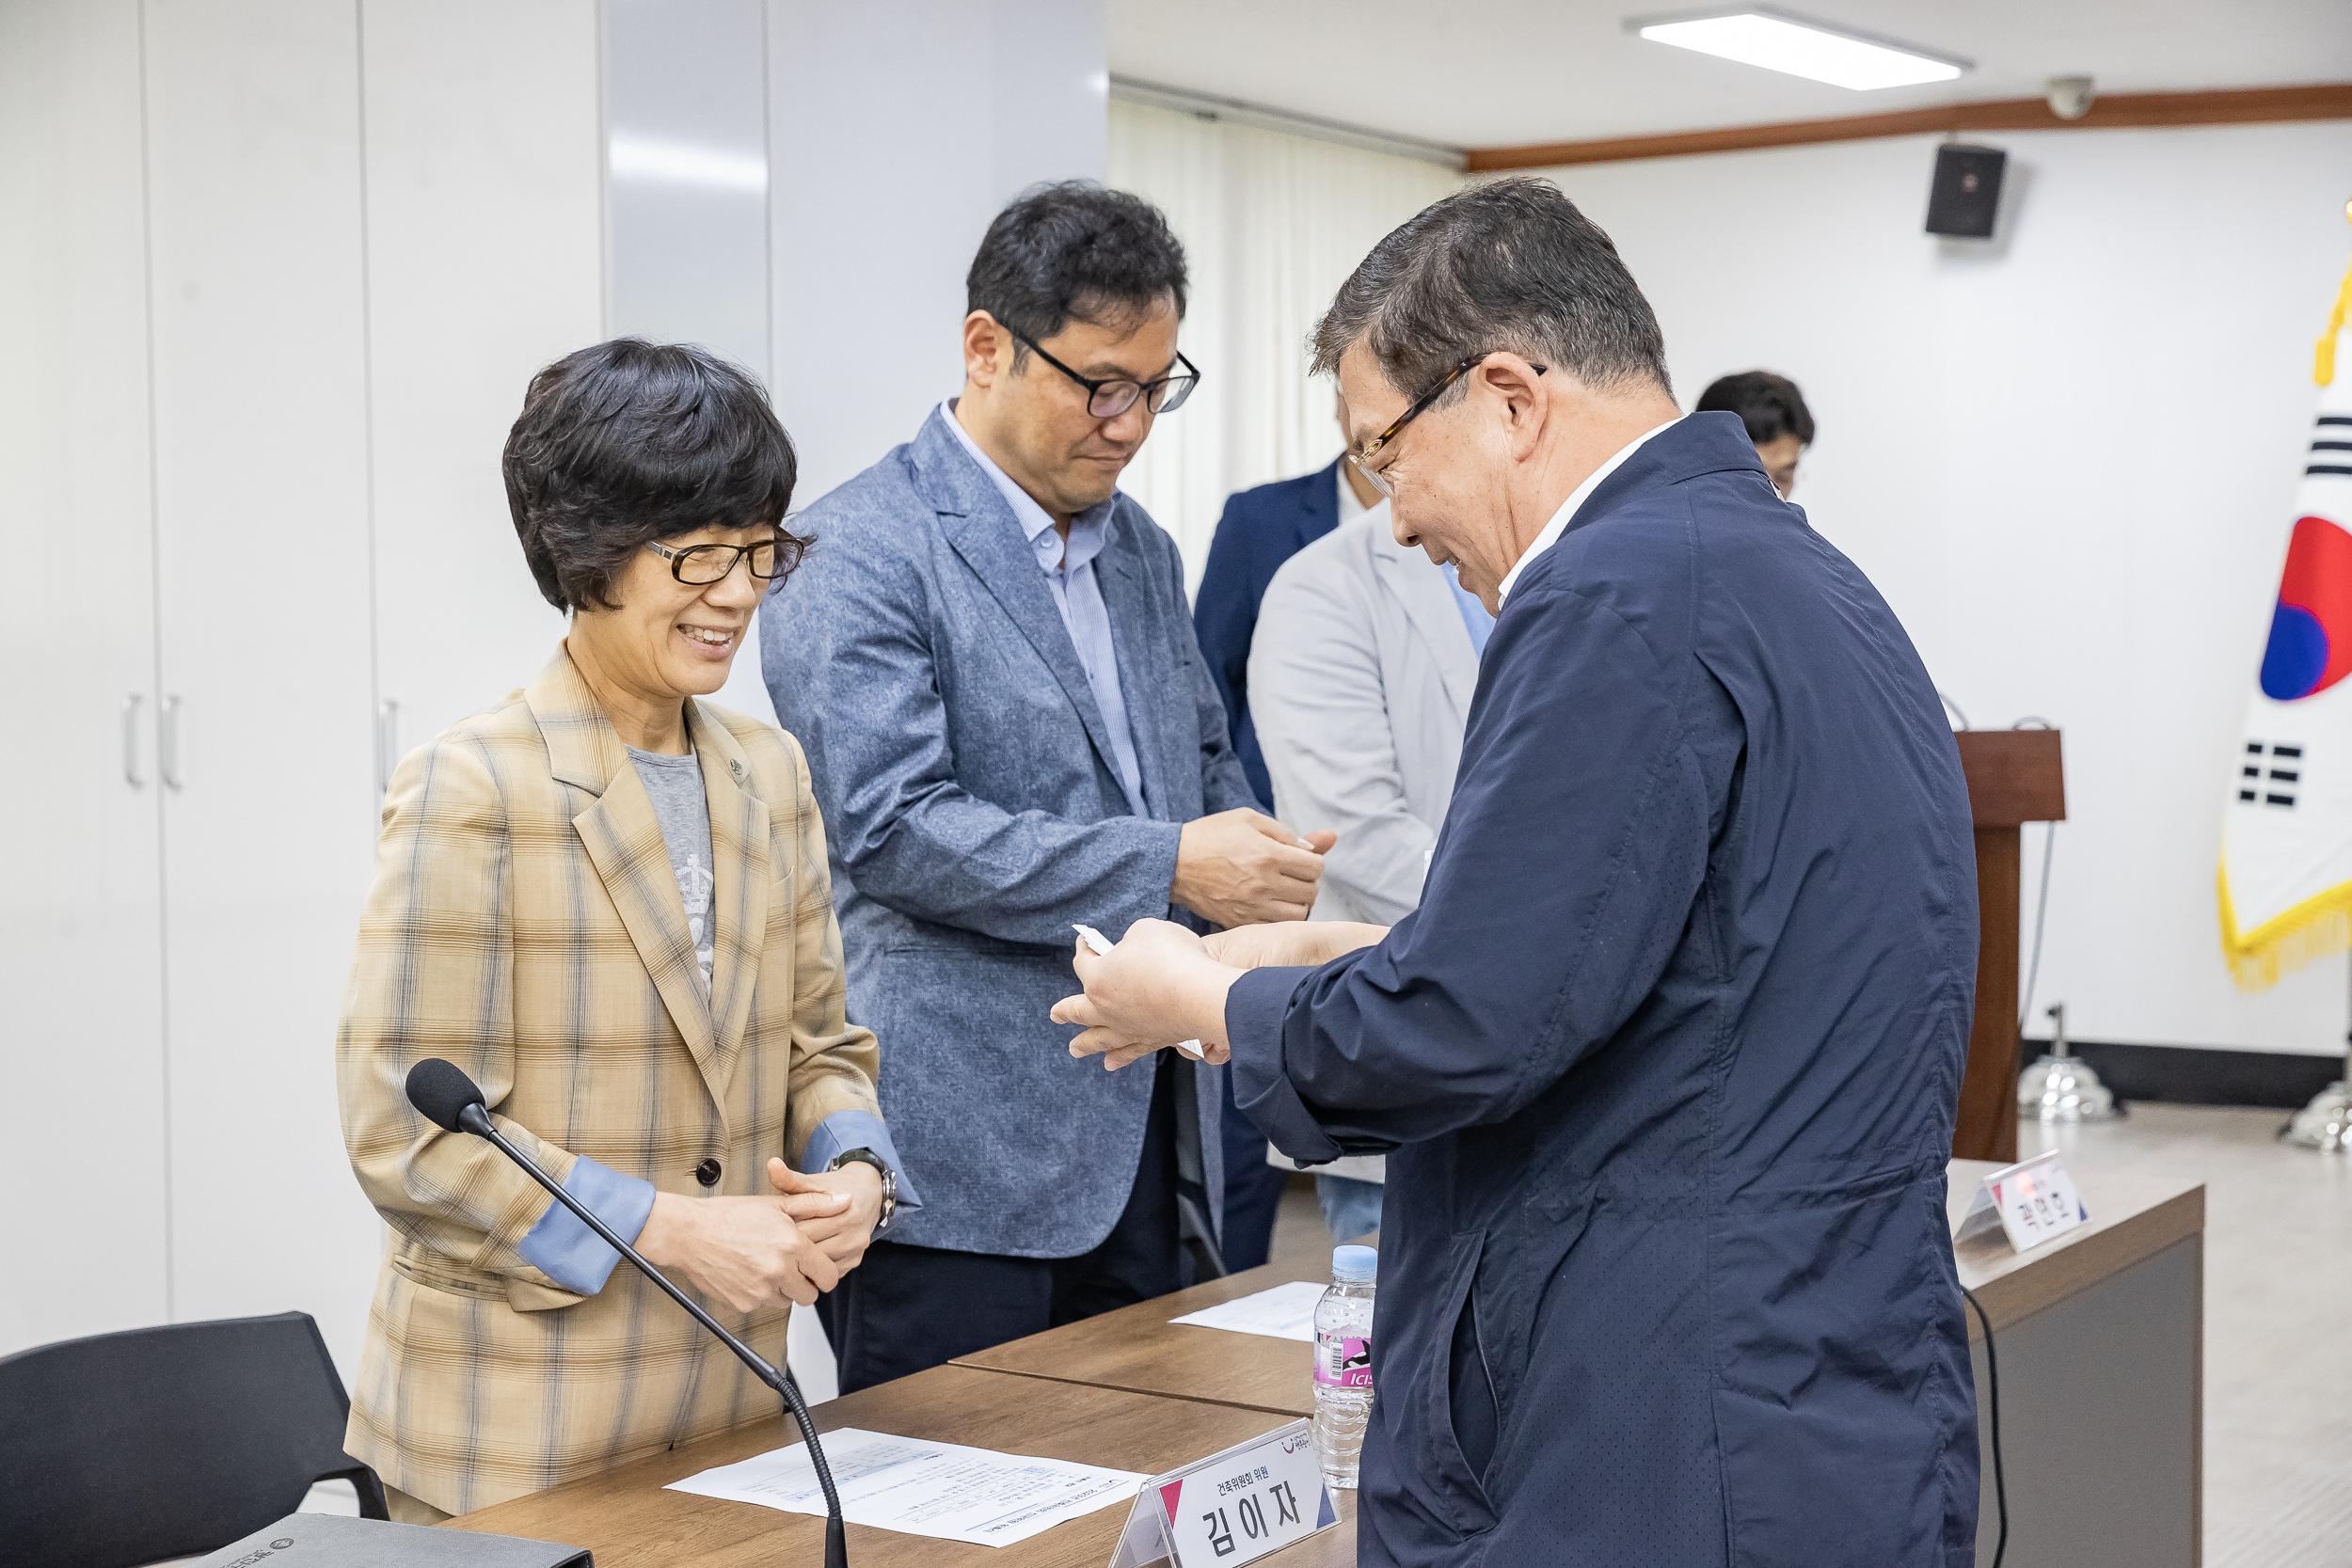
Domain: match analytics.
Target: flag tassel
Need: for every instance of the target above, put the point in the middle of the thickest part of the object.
(2314, 929)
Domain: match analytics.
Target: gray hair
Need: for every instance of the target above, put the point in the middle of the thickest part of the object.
(1509, 264)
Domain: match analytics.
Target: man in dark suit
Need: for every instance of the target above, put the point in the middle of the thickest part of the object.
(1668, 1054)
(1262, 529)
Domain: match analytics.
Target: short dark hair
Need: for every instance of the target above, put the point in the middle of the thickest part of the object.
(1509, 264)
(630, 442)
(1073, 249)
(1770, 405)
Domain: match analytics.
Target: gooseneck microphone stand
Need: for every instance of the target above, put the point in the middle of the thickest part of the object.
(447, 1098)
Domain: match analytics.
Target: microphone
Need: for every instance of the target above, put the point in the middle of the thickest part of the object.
(444, 1096)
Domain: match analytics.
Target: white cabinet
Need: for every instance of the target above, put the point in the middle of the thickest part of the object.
(276, 274)
(260, 441)
(485, 262)
(85, 1154)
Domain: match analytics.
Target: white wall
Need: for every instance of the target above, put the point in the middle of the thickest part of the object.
(899, 130)
(2066, 458)
(895, 132)
(685, 161)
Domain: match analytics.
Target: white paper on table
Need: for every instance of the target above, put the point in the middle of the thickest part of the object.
(1285, 1312)
(942, 1490)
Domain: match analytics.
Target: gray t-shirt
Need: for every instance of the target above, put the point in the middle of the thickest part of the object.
(675, 786)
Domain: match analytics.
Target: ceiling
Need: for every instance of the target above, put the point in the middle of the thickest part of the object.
(1508, 72)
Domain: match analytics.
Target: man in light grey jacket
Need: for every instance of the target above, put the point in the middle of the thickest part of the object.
(990, 662)
(1361, 676)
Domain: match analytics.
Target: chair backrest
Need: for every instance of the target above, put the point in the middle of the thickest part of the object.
(128, 1448)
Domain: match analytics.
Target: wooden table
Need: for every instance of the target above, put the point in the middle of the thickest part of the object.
(2099, 1335)
(626, 1519)
(2130, 1222)
(1137, 1349)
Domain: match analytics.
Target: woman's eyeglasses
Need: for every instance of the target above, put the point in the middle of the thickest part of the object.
(700, 565)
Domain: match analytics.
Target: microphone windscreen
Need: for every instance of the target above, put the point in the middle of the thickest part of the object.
(439, 1091)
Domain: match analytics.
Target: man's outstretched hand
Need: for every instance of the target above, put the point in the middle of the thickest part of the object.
(1157, 986)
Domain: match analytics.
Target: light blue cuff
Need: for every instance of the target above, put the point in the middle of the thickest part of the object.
(845, 1129)
(565, 1250)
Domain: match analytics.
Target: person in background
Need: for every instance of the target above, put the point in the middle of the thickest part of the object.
(1010, 729)
(604, 898)
(1670, 1052)
(1363, 665)
(1262, 529)
(1778, 423)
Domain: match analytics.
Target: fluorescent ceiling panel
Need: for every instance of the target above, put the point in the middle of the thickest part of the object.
(1799, 48)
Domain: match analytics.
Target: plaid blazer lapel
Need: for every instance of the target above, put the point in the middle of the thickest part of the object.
(623, 838)
(739, 896)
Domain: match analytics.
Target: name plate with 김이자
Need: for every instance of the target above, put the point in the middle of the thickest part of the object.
(1232, 1508)
(2032, 1201)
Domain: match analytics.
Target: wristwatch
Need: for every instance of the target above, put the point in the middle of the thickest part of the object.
(889, 1180)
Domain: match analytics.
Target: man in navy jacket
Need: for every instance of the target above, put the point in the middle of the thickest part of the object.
(1669, 1055)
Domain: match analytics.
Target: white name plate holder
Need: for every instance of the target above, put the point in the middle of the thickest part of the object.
(1232, 1508)
(2032, 1201)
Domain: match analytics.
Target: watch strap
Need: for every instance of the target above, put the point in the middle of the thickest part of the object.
(881, 1168)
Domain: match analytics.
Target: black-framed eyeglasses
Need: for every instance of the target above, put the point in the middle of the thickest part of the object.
(1380, 476)
(700, 565)
(1107, 399)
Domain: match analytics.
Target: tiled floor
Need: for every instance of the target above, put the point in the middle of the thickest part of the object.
(2278, 1321)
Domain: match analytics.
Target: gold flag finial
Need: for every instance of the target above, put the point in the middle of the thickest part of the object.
(2323, 361)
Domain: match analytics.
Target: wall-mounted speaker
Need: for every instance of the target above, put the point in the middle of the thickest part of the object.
(1965, 196)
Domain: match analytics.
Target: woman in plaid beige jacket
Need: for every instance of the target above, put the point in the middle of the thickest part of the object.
(607, 900)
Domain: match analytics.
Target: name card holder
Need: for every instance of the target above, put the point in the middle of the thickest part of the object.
(1232, 1508)
(2032, 1201)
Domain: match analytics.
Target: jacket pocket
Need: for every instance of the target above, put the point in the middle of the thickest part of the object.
(1454, 1485)
(473, 1285)
(1516, 1271)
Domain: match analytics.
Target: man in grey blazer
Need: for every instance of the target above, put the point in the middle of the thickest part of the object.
(1360, 675)
(1010, 729)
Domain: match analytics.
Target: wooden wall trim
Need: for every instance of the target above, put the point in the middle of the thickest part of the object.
(2243, 106)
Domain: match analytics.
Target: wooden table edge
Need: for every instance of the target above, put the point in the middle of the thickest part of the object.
(1130, 1388)
(2030, 1282)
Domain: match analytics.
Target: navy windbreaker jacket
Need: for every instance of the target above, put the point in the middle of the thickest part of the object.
(1668, 1059)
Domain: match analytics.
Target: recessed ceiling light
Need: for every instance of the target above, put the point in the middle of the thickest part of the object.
(1758, 34)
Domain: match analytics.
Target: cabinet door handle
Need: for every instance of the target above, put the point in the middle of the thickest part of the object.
(168, 740)
(386, 743)
(130, 741)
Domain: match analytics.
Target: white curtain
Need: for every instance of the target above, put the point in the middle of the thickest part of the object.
(1272, 224)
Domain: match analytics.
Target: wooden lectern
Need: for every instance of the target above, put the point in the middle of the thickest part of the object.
(2014, 776)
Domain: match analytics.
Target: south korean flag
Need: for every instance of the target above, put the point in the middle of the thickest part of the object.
(2287, 836)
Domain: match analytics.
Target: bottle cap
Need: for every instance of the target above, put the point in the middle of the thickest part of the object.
(1354, 1263)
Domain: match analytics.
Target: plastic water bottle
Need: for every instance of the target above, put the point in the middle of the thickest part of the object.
(1344, 1363)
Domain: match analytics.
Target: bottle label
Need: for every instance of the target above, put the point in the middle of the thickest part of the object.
(1343, 1360)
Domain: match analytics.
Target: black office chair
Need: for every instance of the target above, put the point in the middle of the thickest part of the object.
(128, 1447)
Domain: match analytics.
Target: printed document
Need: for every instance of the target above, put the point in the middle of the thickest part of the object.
(1285, 1312)
(917, 1487)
